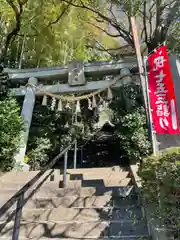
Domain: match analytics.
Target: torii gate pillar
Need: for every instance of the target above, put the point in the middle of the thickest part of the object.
(26, 113)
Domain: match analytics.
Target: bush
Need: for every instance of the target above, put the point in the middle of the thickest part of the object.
(130, 121)
(161, 186)
(38, 157)
(11, 125)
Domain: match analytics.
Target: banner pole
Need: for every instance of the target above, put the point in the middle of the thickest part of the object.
(151, 130)
(141, 72)
(139, 61)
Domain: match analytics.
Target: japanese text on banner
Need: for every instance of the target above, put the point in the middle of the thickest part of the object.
(161, 93)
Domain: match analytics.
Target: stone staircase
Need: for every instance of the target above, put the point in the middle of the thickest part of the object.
(97, 203)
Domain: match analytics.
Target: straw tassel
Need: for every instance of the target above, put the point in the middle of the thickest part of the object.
(68, 105)
(94, 105)
(89, 104)
(109, 94)
(53, 104)
(44, 101)
(100, 98)
(105, 104)
(78, 107)
(66, 125)
(60, 107)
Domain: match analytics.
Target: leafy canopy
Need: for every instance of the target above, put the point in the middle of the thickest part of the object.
(44, 33)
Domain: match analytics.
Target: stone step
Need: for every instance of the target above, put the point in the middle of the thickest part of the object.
(18, 176)
(99, 176)
(76, 230)
(72, 174)
(71, 183)
(117, 238)
(94, 170)
(78, 202)
(60, 214)
(109, 180)
(19, 179)
(48, 191)
(89, 173)
(80, 197)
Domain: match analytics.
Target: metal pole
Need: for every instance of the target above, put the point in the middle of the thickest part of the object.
(152, 133)
(65, 168)
(18, 217)
(81, 157)
(75, 155)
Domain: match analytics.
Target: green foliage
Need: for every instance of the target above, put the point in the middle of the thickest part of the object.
(38, 156)
(160, 183)
(10, 127)
(131, 127)
(51, 33)
(4, 83)
(173, 39)
(52, 131)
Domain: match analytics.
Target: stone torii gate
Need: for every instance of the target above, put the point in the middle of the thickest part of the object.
(77, 74)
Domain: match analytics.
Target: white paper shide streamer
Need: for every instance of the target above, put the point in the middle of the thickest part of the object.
(60, 106)
(89, 104)
(66, 125)
(109, 94)
(44, 101)
(68, 105)
(78, 107)
(94, 105)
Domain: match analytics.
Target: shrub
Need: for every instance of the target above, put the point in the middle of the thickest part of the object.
(38, 157)
(161, 186)
(130, 121)
(11, 125)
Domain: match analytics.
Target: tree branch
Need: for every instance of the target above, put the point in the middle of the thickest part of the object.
(122, 32)
(60, 15)
(111, 11)
(158, 12)
(49, 24)
(144, 21)
(115, 53)
(12, 35)
(105, 31)
(172, 15)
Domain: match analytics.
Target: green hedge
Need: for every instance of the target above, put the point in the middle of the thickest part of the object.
(161, 186)
(11, 125)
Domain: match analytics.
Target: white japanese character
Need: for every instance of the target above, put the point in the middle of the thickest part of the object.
(159, 101)
(166, 110)
(159, 111)
(160, 89)
(159, 107)
(159, 62)
(160, 85)
(161, 96)
(164, 123)
(160, 77)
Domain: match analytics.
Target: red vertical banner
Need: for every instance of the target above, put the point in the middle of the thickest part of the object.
(161, 93)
